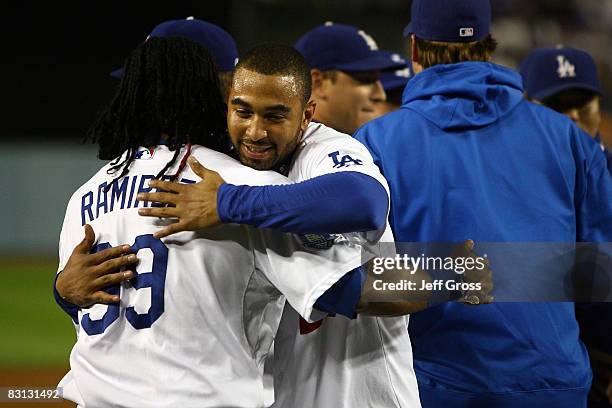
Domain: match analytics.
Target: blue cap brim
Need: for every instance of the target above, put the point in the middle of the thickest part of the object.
(117, 74)
(407, 30)
(377, 62)
(390, 84)
(547, 93)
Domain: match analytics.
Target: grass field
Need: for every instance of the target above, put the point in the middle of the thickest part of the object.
(34, 331)
(35, 334)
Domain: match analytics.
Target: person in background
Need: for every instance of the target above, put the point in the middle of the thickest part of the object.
(393, 83)
(215, 39)
(345, 65)
(565, 79)
(467, 155)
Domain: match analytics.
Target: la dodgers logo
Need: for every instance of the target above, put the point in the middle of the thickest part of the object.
(369, 40)
(345, 161)
(566, 69)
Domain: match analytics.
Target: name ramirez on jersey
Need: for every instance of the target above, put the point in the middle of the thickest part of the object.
(103, 200)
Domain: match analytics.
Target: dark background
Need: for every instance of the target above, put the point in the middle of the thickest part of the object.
(56, 57)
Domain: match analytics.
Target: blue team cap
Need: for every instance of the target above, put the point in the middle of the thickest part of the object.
(342, 47)
(218, 41)
(450, 20)
(399, 78)
(548, 71)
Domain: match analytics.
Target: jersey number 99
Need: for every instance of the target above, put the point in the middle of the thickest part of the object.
(154, 279)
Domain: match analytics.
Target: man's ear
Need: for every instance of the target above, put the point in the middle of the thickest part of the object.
(309, 112)
(319, 90)
(414, 55)
(414, 51)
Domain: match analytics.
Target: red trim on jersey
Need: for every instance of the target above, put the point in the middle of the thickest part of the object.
(306, 327)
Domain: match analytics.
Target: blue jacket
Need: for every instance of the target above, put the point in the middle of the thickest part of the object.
(607, 152)
(467, 157)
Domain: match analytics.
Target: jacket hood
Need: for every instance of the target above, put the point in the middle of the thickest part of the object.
(466, 95)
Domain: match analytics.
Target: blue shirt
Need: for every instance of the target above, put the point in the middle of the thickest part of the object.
(467, 157)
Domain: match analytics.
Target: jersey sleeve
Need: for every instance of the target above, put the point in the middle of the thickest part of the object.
(337, 153)
(306, 275)
(303, 275)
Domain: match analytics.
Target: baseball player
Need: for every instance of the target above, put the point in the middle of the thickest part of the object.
(467, 154)
(393, 83)
(194, 322)
(214, 38)
(326, 366)
(345, 66)
(565, 79)
(75, 283)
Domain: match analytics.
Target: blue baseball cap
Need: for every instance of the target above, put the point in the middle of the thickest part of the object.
(218, 41)
(343, 47)
(399, 78)
(450, 20)
(548, 71)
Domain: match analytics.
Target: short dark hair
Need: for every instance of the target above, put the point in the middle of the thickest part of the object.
(169, 86)
(279, 59)
(435, 52)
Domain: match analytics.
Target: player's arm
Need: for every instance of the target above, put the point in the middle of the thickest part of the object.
(82, 280)
(331, 203)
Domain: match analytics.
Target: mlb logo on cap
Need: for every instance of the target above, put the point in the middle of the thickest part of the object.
(466, 32)
(449, 20)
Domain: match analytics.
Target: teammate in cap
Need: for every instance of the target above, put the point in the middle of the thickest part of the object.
(565, 79)
(214, 38)
(467, 155)
(195, 321)
(345, 65)
(393, 83)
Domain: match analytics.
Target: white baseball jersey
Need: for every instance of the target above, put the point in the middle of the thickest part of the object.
(365, 362)
(194, 326)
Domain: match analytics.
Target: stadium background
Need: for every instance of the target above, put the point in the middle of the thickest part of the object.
(55, 64)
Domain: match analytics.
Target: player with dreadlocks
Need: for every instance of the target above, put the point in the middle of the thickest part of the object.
(161, 96)
(198, 313)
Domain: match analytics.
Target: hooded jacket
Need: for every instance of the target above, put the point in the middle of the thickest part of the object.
(466, 157)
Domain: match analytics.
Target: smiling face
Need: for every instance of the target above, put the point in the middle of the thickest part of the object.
(266, 117)
(347, 101)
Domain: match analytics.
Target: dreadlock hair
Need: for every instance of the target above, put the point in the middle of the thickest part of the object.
(169, 88)
(279, 59)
